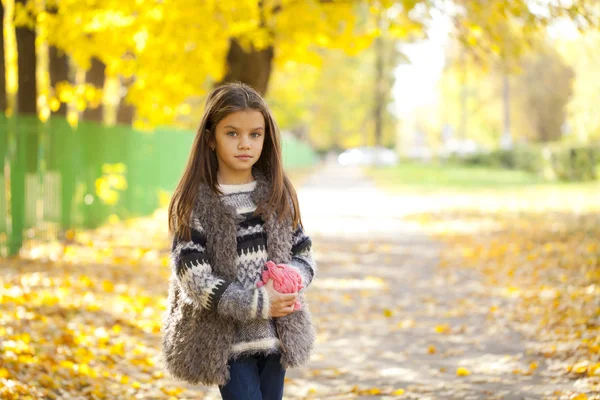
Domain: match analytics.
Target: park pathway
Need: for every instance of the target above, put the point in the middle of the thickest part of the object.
(389, 319)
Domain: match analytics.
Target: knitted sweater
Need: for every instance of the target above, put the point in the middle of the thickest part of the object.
(239, 299)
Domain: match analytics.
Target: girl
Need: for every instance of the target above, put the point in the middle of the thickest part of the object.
(234, 209)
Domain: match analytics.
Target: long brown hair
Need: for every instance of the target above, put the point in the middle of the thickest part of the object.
(202, 163)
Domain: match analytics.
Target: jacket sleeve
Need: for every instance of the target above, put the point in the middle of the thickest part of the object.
(302, 259)
(208, 290)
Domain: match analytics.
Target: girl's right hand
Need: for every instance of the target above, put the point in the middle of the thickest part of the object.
(282, 304)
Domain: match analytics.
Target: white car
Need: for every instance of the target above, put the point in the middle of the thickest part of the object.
(368, 156)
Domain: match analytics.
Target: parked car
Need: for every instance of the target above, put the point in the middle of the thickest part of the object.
(368, 156)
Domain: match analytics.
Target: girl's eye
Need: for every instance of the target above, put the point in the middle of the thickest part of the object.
(256, 134)
(231, 133)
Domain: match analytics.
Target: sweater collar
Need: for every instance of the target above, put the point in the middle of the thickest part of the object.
(240, 188)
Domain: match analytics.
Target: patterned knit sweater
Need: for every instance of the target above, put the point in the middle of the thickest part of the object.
(239, 299)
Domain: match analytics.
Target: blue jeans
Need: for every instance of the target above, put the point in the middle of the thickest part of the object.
(254, 377)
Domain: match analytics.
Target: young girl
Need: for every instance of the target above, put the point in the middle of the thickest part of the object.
(234, 209)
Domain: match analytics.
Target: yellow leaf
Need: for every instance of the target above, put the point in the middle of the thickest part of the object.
(117, 349)
(157, 374)
(3, 373)
(54, 104)
(513, 290)
(93, 307)
(108, 286)
(580, 396)
(398, 392)
(431, 349)
(99, 393)
(580, 367)
(72, 118)
(387, 312)
(86, 281)
(594, 370)
(533, 365)
(442, 328)
(171, 391)
(84, 369)
(462, 372)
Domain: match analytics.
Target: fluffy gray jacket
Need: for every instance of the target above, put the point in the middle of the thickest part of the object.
(196, 340)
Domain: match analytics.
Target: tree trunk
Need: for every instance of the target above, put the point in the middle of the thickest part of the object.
(126, 111)
(506, 141)
(59, 71)
(462, 131)
(95, 76)
(58, 67)
(27, 98)
(252, 68)
(379, 90)
(2, 68)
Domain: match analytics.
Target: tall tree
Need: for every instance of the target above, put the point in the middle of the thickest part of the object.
(250, 66)
(259, 34)
(540, 88)
(543, 92)
(59, 72)
(583, 117)
(95, 77)
(379, 94)
(2, 66)
(26, 103)
(58, 68)
(333, 103)
(126, 110)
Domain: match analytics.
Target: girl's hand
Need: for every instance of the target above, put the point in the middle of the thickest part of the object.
(282, 304)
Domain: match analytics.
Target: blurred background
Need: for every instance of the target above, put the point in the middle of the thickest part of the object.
(101, 99)
(414, 125)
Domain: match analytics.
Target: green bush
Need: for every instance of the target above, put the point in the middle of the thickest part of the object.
(571, 163)
(529, 159)
(552, 161)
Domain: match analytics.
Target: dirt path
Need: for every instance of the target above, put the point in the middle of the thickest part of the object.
(388, 317)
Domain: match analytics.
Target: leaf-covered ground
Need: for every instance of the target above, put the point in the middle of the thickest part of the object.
(543, 267)
(457, 303)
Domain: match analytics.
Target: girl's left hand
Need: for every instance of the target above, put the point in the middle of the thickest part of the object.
(282, 304)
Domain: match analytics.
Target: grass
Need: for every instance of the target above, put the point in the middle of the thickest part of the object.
(436, 177)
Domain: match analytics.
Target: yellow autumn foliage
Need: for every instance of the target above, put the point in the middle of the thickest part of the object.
(177, 49)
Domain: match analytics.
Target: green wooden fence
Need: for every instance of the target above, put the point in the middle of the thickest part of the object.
(54, 177)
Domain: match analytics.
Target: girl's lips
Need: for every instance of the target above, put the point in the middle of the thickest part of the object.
(243, 157)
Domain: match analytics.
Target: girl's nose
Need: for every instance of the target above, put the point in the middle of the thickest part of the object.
(244, 144)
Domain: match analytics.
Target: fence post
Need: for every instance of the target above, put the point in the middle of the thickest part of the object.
(16, 195)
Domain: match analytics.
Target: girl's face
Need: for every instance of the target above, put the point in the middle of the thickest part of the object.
(238, 143)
